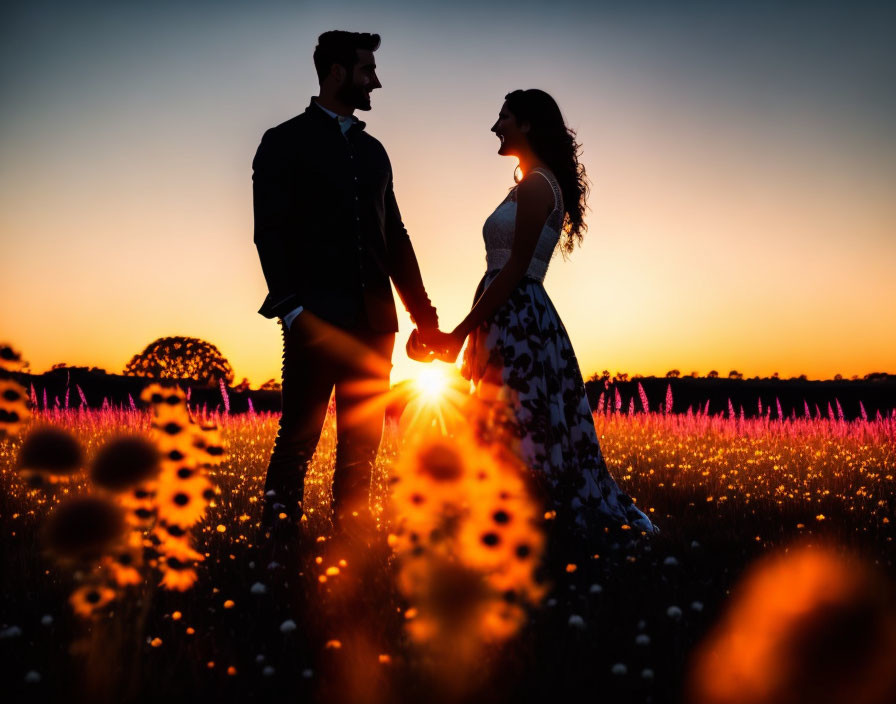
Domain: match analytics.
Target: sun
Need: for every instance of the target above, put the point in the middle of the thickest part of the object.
(431, 382)
(435, 398)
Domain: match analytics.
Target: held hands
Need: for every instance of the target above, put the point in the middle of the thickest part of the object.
(431, 343)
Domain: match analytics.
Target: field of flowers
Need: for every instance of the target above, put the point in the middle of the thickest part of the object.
(620, 618)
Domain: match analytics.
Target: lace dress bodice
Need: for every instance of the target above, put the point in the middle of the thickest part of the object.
(499, 228)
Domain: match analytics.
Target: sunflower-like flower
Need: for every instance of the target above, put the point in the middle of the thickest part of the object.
(175, 543)
(427, 492)
(180, 439)
(468, 542)
(451, 601)
(813, 623)
(14, 411)
(88, 599)
(183, 502)
(502, 535)
(125, 462)
(175, 435)
(122, 570)
(84, 528)
(10, 359)
(139, 505)
(124, 563)
(177, 576)
(207, 445)
(181, 488)
(171, 419)
(49, 454)
(167, 401)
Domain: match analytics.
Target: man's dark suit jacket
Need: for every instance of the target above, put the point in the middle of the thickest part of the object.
(327, 227)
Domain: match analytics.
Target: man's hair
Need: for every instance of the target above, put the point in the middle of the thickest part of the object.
(337, 47)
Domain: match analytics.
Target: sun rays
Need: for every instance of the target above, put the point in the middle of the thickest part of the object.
(435, 398)
(431, 381)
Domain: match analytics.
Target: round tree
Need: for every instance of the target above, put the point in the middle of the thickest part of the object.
(181, 358)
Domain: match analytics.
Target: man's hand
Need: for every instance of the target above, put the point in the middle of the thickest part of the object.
(431, 343)
(432, 338)
(448, 345)
(417, 350)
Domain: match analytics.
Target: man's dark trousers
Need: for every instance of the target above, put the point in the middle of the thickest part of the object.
(317, 357)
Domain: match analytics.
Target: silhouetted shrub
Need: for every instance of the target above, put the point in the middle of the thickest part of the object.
(270, 385)
(181, 358)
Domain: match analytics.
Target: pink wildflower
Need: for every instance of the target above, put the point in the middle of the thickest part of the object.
(643, 395)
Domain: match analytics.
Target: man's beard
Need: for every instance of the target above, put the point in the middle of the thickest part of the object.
(354, 96)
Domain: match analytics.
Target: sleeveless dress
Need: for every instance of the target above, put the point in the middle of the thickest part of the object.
(525, 348)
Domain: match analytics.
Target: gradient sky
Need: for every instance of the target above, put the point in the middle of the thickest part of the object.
(742, 159)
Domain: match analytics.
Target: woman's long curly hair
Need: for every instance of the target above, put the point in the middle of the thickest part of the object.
(555, 144)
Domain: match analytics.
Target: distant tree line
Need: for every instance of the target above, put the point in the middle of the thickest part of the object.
(200, 366)
(733, 374)
(754, 397)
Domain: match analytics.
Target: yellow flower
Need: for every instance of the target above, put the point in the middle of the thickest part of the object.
(790, 612)
(207, 445)
(168, 402)
(467, 538)
(177, 578)
(124, 462)
(84, 528)
(183, 502)
(139, 505)
(175, 435)
(124, 563)
(123, 575)
(177, 548)
(50, 453)
(10, 359)
(86, 600)
(14, 412)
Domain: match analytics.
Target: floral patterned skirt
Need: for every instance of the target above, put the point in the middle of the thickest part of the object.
(526, 350)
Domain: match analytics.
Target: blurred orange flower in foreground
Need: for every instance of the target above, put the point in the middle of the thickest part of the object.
(467, 535)
(14, 411)
(86, 600)
(811, 624)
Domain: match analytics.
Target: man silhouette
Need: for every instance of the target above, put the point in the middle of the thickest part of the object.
(329, 236)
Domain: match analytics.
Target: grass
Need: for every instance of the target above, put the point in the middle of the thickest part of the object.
(620, 620)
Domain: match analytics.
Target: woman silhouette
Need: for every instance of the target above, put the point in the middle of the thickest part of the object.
(516, 338)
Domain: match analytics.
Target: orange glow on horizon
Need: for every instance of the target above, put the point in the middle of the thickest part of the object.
(720, 236)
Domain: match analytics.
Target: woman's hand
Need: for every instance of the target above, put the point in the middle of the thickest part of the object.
(435, 344)
(450, 346)
(417, 350)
